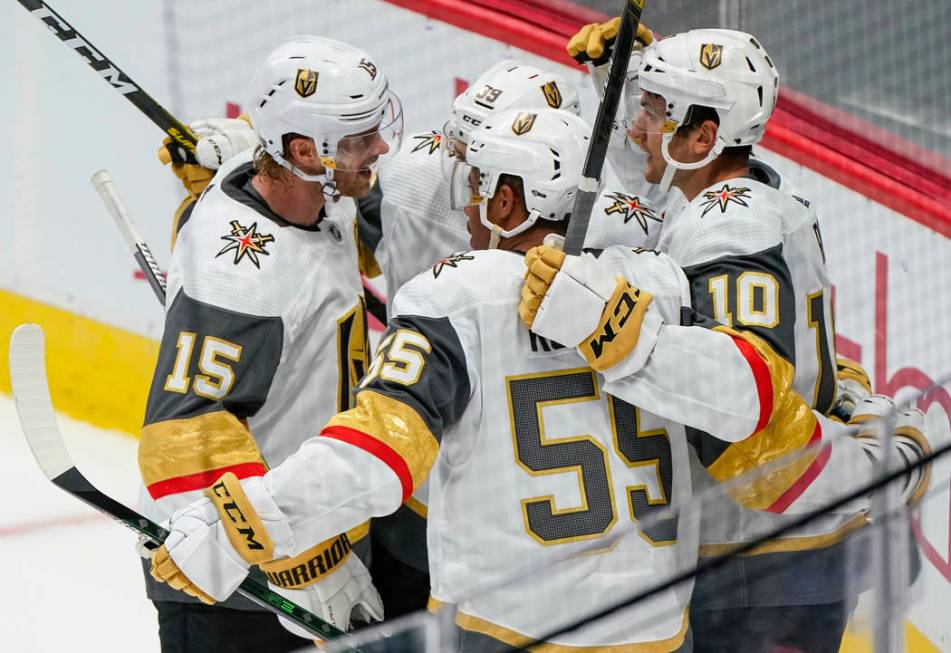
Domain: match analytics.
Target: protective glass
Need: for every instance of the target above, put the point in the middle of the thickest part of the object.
(649, 116)
(464, 185)
(452, 147)
(366, 151)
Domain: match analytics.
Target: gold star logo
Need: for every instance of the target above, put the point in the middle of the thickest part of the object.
(723, 197)
(430, 140)
(245, 242)
(449, 262)
(631, 208)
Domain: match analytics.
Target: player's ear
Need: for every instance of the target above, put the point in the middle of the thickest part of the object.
(303, 152)
(705, 137)
(505, 202)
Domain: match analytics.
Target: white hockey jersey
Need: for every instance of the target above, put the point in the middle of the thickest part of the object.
(264, 339)
(755, 260)
(532, 462)
(418, 226)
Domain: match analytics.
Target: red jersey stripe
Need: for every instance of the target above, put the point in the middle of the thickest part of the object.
(201, 480)
(375, 448)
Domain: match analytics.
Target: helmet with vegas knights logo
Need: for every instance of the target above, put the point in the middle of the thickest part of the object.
(505, 85)
(726, 70)
(329, 91)
(545, 148)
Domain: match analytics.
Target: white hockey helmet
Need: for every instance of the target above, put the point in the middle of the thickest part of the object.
(506, 85)
(546, 148)
(726, 70)
(329, 91)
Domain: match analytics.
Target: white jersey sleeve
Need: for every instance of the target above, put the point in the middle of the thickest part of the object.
(418, 225)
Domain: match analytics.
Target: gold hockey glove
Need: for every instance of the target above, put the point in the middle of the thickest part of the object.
(594, 42)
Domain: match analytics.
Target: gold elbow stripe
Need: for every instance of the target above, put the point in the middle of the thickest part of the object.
(240, 520)
(789, 429)
(311, 566)
(396, 425)
(183, 447)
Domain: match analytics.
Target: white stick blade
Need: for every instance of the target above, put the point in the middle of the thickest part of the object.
(32, 395)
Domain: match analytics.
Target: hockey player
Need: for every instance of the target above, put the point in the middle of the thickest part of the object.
(410, 225)
(755, 261)
(265, 333)
(459, 387)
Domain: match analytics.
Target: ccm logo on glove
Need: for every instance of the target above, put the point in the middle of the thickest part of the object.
(621, 322)
(241, 522)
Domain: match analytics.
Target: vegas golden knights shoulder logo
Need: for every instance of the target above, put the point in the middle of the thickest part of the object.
(711, 55)
(552, 94)
(306, 82)
(368, 66)
(523, 123)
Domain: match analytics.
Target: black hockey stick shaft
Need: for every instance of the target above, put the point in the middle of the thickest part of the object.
(27, 359)
(603, 123)
(73, 482)
(65, 32)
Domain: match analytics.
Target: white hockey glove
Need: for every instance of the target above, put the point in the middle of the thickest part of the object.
(330, 581)
(910, 441)
(852, 386)
(216, 539)
(220, 139)
(575, 301)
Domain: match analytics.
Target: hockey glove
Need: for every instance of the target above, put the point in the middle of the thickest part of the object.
(593, 43)
(330, 582)
(908, 436)
(219, 139)
(852, 386)
(572, 300)
(215, 540)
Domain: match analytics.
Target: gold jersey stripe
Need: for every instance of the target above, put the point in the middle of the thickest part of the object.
(787, 434)
(785, 545)
(518, 640)
(181, 447)
(397, 426)
(418, 507)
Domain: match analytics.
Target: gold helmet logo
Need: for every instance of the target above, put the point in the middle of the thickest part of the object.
(552, 94)
(368, 66)
(711, 55)
(523, 123)
(306, 82)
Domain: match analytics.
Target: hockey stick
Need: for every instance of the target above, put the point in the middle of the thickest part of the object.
(38, 421)
(601, 133)
(178, 132)
(102, 182)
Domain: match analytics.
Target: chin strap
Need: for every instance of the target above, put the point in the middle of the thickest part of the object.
(495, 237)
(325, 178)
(673, 165)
